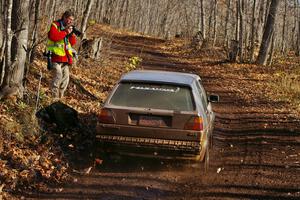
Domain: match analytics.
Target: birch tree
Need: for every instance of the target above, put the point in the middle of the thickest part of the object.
(1, 29)
(8, 39)
(202, 19)
(298, 38)
(228, 4)
(283, 40)
(15, 65)
(253, 29)
(240, 10)
(215, 22)
(86, 16)
(35, 33)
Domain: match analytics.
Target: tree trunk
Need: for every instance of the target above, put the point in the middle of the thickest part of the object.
(115, 14)
(187, 22)
(134, 16)
(120, 19)
(86, 17)
(202, 19)
(237, 26)
(268, 31)
(294, 29)
(91, 48)
(233, 51)
(52, 11)
(148, 19)
(35, 34)
(215, 23)
(155, 21)
(261, 22)
(241, 29)
(102, 11)
(74, 6)
(226, 41)
(283, 44)
(46, 7)
(253, 28)
(165, 24)
(235, 43)
(141, 21)
(210, 20)
(8, 35)
(1, 29)
(108, 12)
(13, 83)
(298, 38)
(97, 9)
(125, 14)
(270, 60)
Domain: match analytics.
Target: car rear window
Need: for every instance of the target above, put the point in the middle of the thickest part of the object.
(156, 96)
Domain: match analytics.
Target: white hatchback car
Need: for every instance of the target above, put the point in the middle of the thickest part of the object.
(158, 113)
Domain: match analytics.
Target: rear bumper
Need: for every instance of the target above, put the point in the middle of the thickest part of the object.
(150, 147)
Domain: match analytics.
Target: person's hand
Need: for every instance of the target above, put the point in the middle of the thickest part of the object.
(69, 30)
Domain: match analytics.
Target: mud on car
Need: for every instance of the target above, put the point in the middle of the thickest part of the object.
(158, 113)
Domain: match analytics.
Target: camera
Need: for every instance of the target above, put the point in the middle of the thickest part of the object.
(48, 54)
(77, 32)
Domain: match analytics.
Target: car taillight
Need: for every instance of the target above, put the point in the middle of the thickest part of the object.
(195, 124)
(105, 116)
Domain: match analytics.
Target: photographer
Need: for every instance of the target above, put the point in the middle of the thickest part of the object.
(61, 38)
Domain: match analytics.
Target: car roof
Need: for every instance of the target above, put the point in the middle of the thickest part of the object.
(160, 76)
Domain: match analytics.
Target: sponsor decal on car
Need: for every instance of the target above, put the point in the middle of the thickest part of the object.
(155, 89)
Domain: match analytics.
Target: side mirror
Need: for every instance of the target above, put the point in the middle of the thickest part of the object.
(213, 98)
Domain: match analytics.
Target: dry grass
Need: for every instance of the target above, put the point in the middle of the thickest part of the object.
(286, 80)
(288, 87)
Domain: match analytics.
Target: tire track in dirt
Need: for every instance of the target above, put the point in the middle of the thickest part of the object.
(254, 133)
(250, 137)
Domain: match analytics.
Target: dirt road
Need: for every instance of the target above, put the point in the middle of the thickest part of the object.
(256, 152)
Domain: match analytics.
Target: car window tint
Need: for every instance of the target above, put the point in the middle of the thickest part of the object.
(156, 96)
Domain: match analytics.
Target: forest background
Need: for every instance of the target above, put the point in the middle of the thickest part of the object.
(250, 30)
